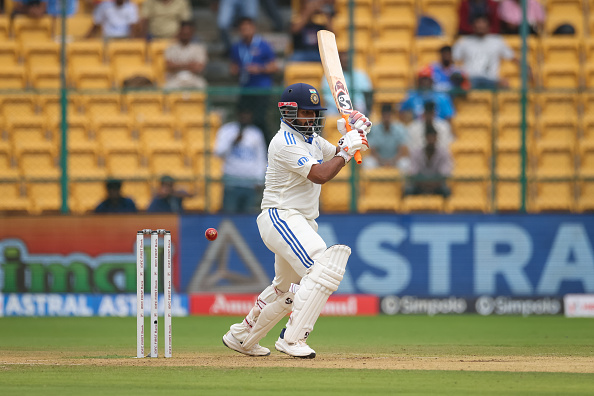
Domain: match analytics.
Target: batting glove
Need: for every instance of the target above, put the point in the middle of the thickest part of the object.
(353, 141)
(359, 121)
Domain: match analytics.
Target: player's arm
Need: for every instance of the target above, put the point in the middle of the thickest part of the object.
(321, 173)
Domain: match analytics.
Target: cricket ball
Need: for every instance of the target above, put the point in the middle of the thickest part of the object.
(211, 234)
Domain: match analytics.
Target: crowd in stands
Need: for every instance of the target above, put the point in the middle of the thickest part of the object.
(413, 135)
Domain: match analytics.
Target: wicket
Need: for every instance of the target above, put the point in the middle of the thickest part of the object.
(154, 267)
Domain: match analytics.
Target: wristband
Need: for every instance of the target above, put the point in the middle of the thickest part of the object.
(344, 155)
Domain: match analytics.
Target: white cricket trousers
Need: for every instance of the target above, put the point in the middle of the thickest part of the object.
(295, 242)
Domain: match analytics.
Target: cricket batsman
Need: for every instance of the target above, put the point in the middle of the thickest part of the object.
(306, 270)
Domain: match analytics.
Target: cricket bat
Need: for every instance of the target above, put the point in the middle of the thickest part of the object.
(335, 77)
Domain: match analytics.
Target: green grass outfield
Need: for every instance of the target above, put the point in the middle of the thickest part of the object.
(405, 355)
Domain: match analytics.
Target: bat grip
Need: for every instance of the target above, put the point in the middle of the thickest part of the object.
(357, 155)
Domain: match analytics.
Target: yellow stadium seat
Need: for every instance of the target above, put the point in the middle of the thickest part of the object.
(19, 105)
(4, 28)
(426, 49)
(78, 134)
(126, 53)
(468, 196)
(476, 105)
(585, 201)
(194, 136)
(126, 164)
(9, 53)
(28, 30)
(83, 163)
(45, 77)
(564, 11)
(363, 8)
(41, 54)
(398, 9)
(85, 196)
(213, 197)
(390, 78)
(422, 203)
(558, 106)
(102, 105)
(51, 105)
(393, 53)
(508, 196)
(509, 134)
(586, 166)
(390, 28)
(554, 196)
(157, 47)
(157, 132)
(305, 72)
(472, 134)
(445, 12)
(561, 50)
(44, 197)
(554, 162)
(587, 139)
(38, 163)
(171, 161)
(215, 166)
(381, 190)
(360, 48)
(12, 77)
(139, 192)
(115, 132)
(144, 104)
(336, 196)
(185, 105)
(471, 162)
(363, 29)
(77, 26)
(558, 134)
(84, 53)
(92, 78)
(561, 76)
(508, 164)
(533, 47)
(13, 198)
(8, 170)
(30, 133)
(124, 72)
(509, 106)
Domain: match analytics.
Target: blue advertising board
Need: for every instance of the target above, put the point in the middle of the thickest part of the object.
(420, 255)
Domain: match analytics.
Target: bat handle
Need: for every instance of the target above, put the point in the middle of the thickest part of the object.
(357, 155)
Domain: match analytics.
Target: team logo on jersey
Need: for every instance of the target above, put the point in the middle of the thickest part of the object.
(342, 97)
(314, 98)
(302, 161)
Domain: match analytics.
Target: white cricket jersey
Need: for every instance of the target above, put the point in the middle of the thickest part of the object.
(290, 159)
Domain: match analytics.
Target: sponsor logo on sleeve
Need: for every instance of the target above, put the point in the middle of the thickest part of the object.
(301, 161)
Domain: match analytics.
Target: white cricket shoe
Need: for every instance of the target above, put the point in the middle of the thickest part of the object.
(298, 349)
(233, 343)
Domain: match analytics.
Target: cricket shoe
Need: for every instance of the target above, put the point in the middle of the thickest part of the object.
(298, 349)
(233, 343)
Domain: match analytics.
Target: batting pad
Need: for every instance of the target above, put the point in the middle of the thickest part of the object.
(316, 287)
(269, 316)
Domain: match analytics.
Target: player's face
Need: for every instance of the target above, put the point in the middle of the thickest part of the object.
(305, 117)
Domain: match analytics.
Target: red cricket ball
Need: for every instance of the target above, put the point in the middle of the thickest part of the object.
(211, 234)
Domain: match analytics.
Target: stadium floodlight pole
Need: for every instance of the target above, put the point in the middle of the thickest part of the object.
(523, 99)
(64, 119)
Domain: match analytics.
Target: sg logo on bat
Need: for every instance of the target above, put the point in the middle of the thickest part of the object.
(342, 97)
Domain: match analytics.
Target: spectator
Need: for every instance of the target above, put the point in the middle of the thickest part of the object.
(231, 11)
(471, 9)
(254, 62)
(510, 13)
(315, 15)
(388, 144)
(115, 202)
(481, 54)
(31, 8)
(243, 149)
(446, 75)
(360, 88)
(185, 61)
(417, 129)
(430, 166)
(54, 7)
(415, 100)
(114, 18)
(162, 18)
(168, 199)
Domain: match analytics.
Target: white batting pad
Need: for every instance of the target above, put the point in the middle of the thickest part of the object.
(269, 316)
(316, 287)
